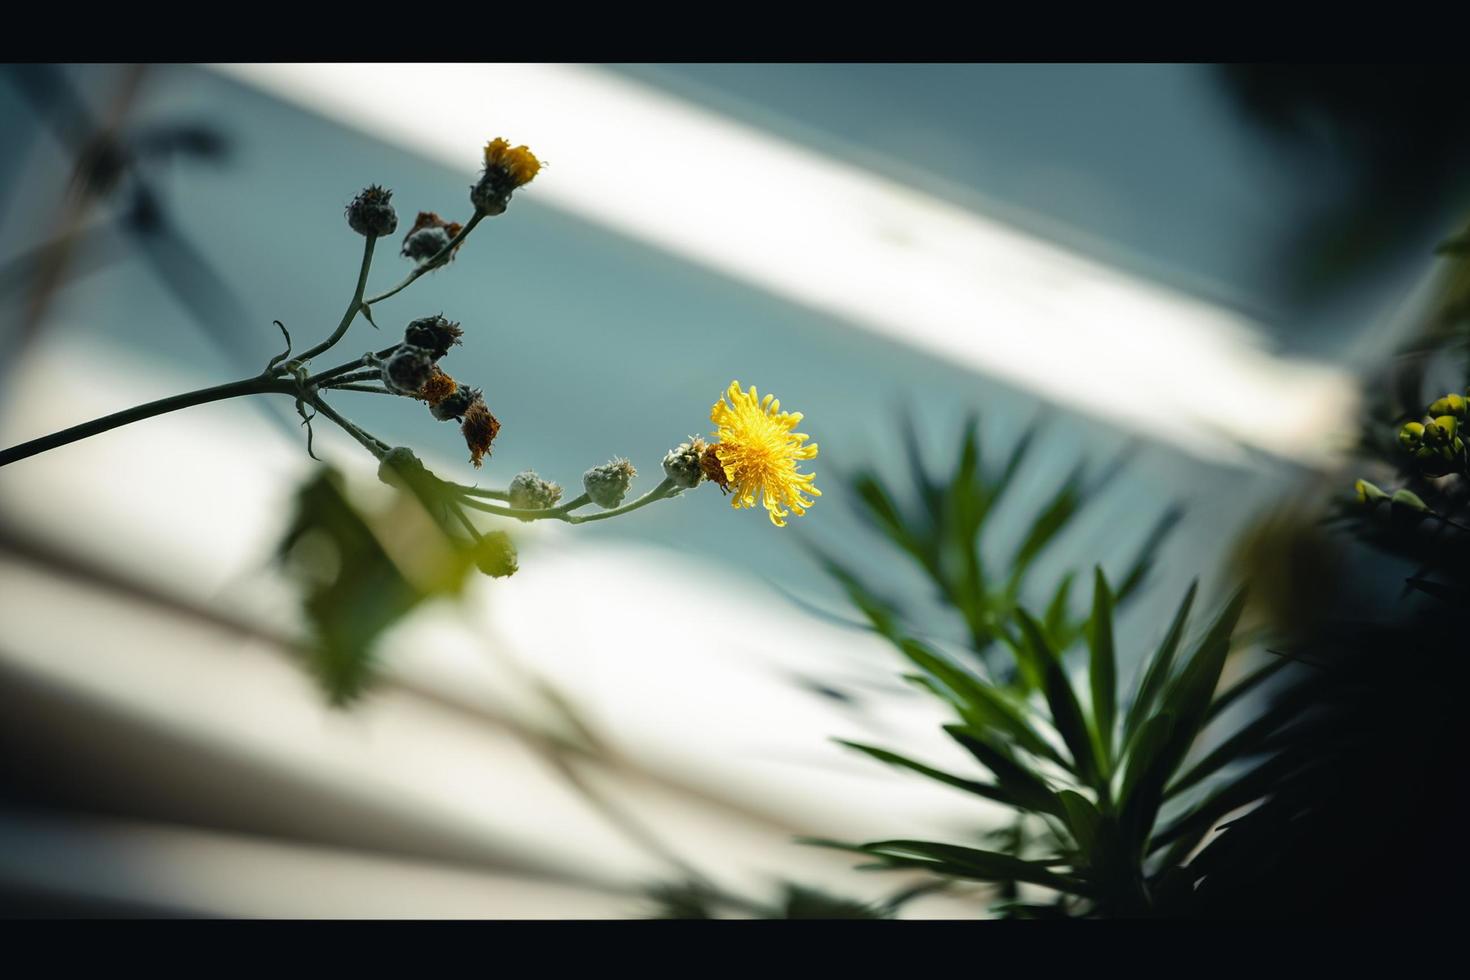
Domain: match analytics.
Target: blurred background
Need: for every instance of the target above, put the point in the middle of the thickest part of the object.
(1190, 265)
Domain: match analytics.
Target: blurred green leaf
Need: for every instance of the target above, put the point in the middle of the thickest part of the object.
(1159, 666)
(1102, 668)
(1028, 789)
(1066, 713)
(987, 790)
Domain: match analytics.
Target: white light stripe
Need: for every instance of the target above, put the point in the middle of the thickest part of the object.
(877, 253)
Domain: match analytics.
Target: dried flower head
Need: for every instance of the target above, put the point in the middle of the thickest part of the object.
(479, 429)
(407, 369)
(758, 452)
(433, 333)
(439, 387)
(681, 464)
(608, 484)
(429, 235)
(456, 404)
(506, 168)
(711, 470)
(371, 214)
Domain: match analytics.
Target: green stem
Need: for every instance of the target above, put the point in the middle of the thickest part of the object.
(552, 513)
(370, 442)
(234, 389)
(657, 493)
(432, 263)
(353, 307)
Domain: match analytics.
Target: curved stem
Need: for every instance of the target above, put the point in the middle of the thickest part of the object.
(233, 389)
(432, 263)
(551, 513)
(370, 442)
(657, 493)
(353, 307)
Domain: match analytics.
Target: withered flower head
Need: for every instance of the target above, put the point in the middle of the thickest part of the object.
(480, 429)
(456, 404)
(408, 369)
(709, 465)
(439, 387)
(429, 235)
(433, 333)
(371, 214)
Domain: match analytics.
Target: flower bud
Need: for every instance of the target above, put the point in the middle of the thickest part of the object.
(495, 555)
(407, 369)
(506, 168)
(371, 214)
(1408, 501)
(399, 467)
(681, 464)
(1411, 435)
(1369, 494)
(1451, 404)
(1441, 431)
(456, 404)
(529, 492)
(608, 484)
(433, 333)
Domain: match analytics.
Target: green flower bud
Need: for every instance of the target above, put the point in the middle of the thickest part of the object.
(1369, 494)
(608, 484)
(1411, 435)
(1410, 501)
(1451, 404)
(1441, 432)
(681, 464)
(529, 492)
(370, 214)
(495, 555)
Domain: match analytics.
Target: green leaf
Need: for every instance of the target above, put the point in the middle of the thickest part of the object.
(1253, 739)
(1149, 767)
(988, 706)
(1102, 668)
(1245, 686)
(969, 862)
(1158, 670)
(1066, 713)
(1029, 789)
(1082, 819)
(986, 790)
(1056, 618)
(1048, 523)
(1188, 697)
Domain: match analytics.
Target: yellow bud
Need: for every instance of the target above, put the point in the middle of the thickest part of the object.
(1411, 435)
(1409, 500)
(1369, 494)
(1451, 404)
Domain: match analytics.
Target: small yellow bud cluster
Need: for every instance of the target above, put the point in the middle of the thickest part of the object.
(1435, 443)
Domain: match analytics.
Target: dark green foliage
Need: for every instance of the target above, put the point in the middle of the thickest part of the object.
(1089, 768)
(698, 900)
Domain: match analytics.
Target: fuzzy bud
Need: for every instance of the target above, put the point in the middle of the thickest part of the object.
(495, 555)
(371, 214)
(407, 369)
(456, 404)
(433, 333)
(681, 464)
(425, 243)
(529, 492)
(608, 484)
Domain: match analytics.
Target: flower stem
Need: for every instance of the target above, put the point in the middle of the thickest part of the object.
(657, 493)
(353, 307)
(432, 263)
(188, 399)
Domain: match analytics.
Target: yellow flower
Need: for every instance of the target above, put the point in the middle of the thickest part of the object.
(759, 453)
(518, 162)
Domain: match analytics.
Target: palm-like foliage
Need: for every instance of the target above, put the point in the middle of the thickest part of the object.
(1093, 768)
